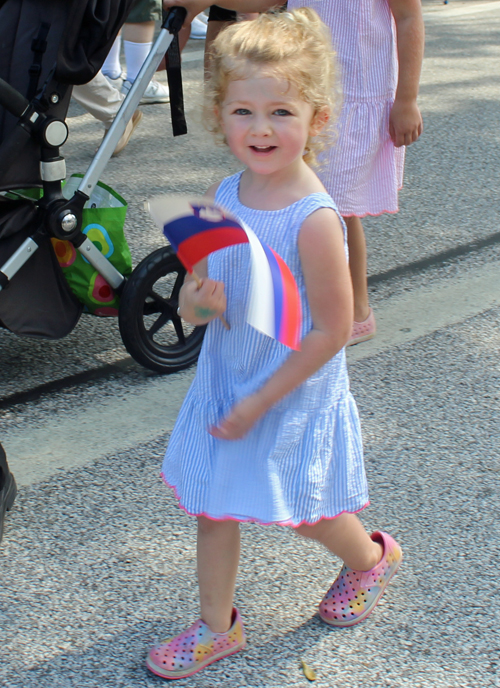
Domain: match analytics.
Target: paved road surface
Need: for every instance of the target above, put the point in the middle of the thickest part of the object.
(97, 561)
(448, 202)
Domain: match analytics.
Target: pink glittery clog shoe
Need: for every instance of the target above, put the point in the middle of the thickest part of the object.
(363, 331)
(195, 648)
(355, 594)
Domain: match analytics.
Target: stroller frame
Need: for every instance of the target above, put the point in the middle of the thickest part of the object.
(62, 218)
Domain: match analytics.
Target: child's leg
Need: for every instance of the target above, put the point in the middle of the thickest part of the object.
(219, 633)
(218, 558)
(369, 565)
(358, 267)
(346, 537)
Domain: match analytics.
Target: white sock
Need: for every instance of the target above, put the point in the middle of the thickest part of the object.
(135, 54)
(112, 66)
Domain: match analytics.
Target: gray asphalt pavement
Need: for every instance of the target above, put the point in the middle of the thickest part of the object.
(98, 562)
(448, 200)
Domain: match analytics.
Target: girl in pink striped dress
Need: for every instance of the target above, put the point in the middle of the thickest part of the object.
(379, 46)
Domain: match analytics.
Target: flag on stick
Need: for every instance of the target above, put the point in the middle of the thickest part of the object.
(197, 227)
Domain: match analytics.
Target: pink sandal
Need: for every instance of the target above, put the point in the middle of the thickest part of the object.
(355, 594)
(195, 648)
(362, 331)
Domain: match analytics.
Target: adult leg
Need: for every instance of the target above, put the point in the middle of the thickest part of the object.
(346, 537)
(137, 42)
(103, 101)
(99, 98)
(218, 557)
(358, 267)
(112, 67)
(138, 34)
(184, 36)
(214, 27)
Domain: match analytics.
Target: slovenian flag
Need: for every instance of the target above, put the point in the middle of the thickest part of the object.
(195, 227)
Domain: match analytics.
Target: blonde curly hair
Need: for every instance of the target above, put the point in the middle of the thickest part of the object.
(296, 46)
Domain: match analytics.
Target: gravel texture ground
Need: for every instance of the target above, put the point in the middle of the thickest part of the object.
(99, 563)
(451, 176)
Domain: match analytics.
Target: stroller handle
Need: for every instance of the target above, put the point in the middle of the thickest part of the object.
(12, 100)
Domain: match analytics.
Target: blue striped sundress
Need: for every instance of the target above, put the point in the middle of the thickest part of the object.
(303, 460)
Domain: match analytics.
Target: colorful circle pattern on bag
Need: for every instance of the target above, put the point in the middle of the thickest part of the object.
(103, 220)
(99, 290)
(65, 252)
(100, 238)
(100, 299)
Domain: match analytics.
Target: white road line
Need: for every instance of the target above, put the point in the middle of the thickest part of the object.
(193, 56)
(420, 312)
(85, 434)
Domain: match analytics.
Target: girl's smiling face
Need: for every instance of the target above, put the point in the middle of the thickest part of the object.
(266, 124)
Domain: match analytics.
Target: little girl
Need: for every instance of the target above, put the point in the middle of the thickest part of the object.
(379, 45)
(266, 434)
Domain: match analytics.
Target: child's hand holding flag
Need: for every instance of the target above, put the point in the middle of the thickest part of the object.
(197, 227)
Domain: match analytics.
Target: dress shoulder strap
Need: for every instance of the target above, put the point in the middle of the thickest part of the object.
(315, 201)
(309, 204)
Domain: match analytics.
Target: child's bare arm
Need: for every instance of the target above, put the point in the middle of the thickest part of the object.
(329, 292)
(405, 123)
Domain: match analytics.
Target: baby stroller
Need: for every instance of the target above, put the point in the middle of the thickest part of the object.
(47, 46)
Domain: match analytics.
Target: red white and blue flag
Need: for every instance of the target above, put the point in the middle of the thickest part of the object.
(196, 227)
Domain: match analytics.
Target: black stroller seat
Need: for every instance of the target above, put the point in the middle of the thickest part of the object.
(47, 46)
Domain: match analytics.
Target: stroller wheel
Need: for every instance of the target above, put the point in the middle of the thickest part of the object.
(151, 330)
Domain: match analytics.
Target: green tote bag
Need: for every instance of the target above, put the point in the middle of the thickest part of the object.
(102, 222)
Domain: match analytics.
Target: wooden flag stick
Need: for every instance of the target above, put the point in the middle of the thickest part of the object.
(198, 281)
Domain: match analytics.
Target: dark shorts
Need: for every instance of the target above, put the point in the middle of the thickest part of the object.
(220, 14)
(145, 11)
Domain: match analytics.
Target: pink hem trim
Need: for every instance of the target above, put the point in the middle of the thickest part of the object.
(391, 212)
(256, 520)
(382, 212)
